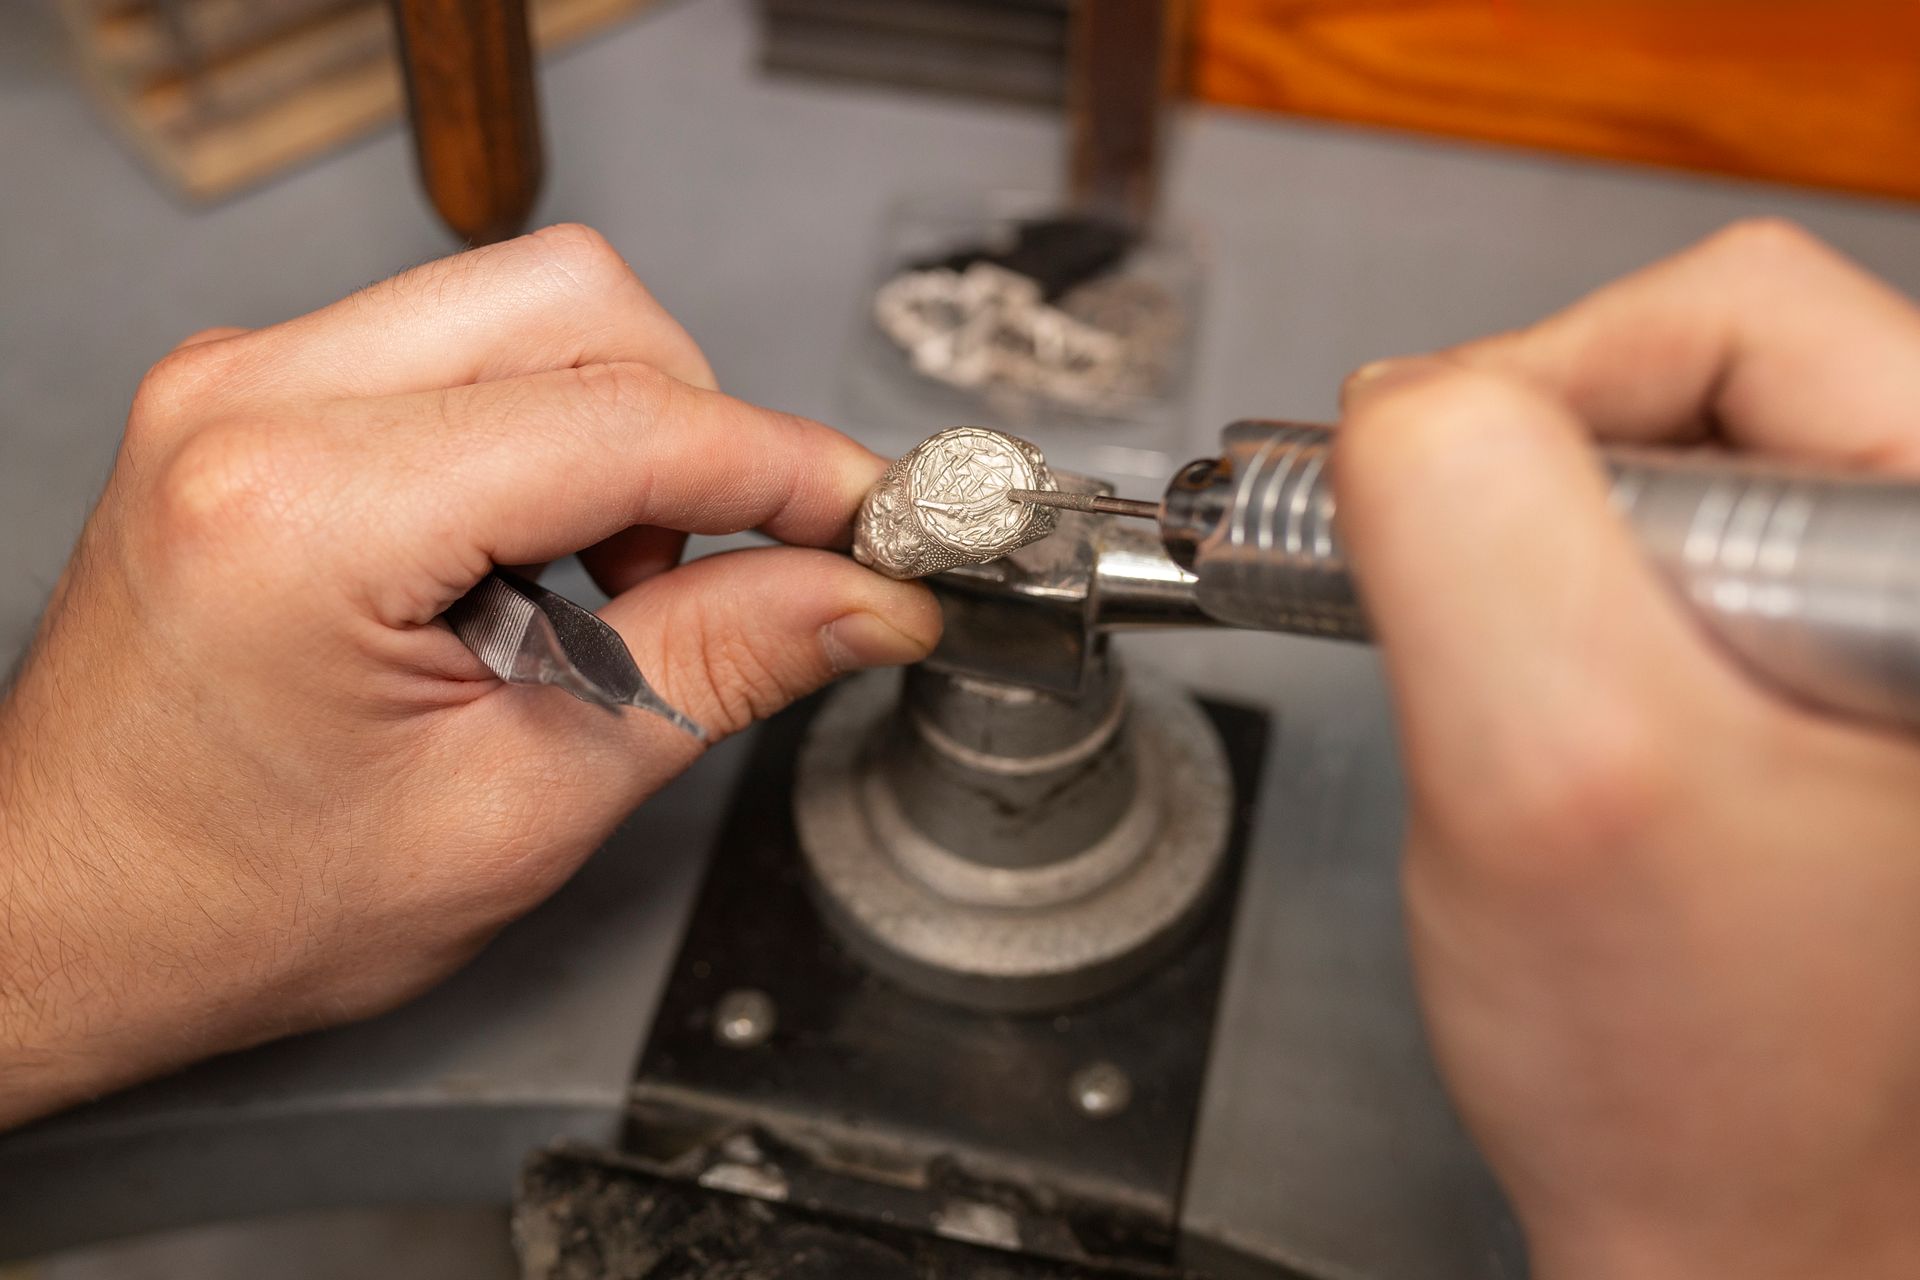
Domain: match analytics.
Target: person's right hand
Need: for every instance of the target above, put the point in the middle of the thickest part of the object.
(250, 785)
(1665, 923)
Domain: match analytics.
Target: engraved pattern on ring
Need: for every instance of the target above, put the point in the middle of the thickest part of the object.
(945, 504)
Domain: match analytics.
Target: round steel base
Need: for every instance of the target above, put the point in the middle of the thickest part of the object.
(1089, 923)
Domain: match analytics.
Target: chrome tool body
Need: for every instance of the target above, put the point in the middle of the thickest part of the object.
(1811, 580)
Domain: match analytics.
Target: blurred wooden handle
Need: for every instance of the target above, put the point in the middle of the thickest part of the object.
(474, 109)
(1120, 63)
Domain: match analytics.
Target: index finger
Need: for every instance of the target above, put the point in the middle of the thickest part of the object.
(1761, 335)
(528, 469)
(558, 297)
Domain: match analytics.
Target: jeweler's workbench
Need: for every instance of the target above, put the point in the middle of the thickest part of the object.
(1323, 1139)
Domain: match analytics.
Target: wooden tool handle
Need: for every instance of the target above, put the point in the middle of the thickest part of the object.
(475, 114)
(1121, 57)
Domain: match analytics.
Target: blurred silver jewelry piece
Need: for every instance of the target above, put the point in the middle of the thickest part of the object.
(948, 503)
(1107, 343)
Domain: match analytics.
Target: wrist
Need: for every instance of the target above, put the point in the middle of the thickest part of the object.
(102, 973)
(54, 987)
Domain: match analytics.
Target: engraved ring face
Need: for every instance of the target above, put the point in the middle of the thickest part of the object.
(958, 484)
(945, 504)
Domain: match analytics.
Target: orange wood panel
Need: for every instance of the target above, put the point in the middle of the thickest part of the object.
(1823, 92)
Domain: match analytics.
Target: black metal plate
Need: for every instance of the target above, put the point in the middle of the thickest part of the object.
(585, 1216)
(877, 1103)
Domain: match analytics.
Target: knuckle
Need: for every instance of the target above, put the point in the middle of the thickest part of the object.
(1763, 243)
(749, 687)
(580, 255)
(579, 261)
(1401, 435)
(182, 382)
(1452, 401)
(201, 337)
(626, 389)
(1467, 402)
(732, 675)
(225, 481)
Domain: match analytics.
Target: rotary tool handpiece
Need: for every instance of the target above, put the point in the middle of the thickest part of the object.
(1813, 581)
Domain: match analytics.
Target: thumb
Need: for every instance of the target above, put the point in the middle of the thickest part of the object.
(1532, 651)
(733, 638)
(728, 639)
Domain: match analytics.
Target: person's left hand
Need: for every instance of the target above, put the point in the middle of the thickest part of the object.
(250, 785)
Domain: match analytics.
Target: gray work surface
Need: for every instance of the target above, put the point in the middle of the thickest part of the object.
(750, 208)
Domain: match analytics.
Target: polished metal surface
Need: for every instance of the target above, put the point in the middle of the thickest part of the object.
(744, 1018)
(1326, 1140)
(1101, 1089)
(527, 634)
(1257, 529)
(1032, 618)
(1004, 776)
(1098, 504)
(1813, 581)
(944, 504)
(1136, 585)
(1023, 617)
(1022, 871)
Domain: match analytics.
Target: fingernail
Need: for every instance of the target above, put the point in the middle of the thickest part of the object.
(861, 640)
(1383, 375)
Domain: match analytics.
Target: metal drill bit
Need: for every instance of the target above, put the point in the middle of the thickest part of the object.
(1092, 503)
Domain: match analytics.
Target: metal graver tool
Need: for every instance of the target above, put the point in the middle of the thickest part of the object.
(526, 634)
(949, 503)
